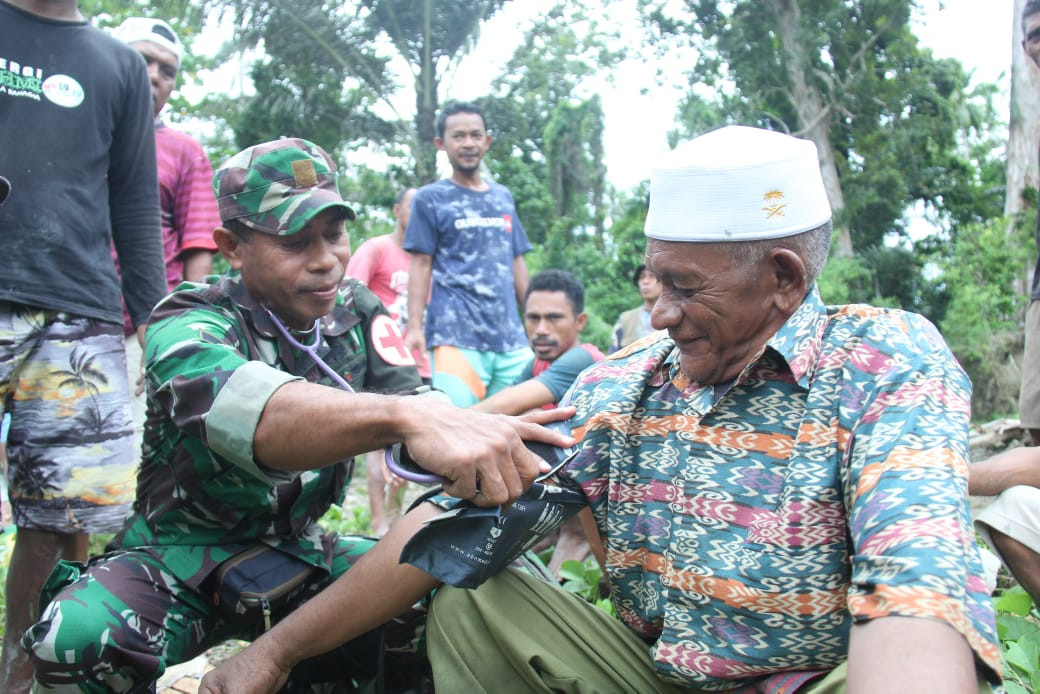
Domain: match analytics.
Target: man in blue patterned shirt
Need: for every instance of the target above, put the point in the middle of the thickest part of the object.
(465, 236)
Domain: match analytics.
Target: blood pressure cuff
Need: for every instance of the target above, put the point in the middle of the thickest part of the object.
(468, 544)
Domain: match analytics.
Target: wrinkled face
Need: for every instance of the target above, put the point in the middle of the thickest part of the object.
(1031, 37)
(297, 277)
(718, 313)
(649, 286)
(403, 209)
(162, 71)
(465, 141)
(552, 327)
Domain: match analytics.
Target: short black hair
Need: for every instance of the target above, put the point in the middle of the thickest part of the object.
(452, 107)
(559, 281)
(1030, 8)
(638, 273)
(239, 229)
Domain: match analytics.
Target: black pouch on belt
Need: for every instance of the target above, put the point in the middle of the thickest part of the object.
(257, 582)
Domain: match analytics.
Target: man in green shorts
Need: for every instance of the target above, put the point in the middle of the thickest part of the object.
(248, 439)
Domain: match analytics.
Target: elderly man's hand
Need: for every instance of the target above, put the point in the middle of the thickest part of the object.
(482, 457)
(248, 672)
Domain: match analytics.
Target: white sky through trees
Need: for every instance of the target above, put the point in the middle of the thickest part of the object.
(639, 112)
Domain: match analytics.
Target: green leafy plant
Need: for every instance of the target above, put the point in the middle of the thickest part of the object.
(1019, 634)
(356, 521)
(584, 578)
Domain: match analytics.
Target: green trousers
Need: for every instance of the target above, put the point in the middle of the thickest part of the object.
(519, 634)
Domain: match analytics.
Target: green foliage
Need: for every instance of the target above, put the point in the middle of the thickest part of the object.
(845, 281)
(982, 321)
(356, 521)
(1019, 635)
(6, 547)
(902, 125)
(583, 579)
(325, 71)
(548, 137)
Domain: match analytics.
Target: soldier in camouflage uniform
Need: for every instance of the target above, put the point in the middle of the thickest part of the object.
(245, 441)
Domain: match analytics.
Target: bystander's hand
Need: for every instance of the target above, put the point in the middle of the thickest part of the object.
(414, 340)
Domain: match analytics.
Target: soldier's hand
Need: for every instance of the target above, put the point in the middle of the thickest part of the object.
(482, 457)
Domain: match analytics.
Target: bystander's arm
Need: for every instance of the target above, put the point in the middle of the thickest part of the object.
(517, 399)
(420, 273)
(198, 263)
(1005, 470)
(520, 278)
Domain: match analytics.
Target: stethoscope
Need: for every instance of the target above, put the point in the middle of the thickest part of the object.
(312, 351)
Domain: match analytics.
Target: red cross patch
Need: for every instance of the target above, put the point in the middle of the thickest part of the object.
(389, 343)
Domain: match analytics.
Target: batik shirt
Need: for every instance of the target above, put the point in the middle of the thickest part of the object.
(473, 237)
(746, 531)
(214, 358)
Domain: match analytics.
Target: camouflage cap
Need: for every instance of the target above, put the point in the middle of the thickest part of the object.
(277, 187)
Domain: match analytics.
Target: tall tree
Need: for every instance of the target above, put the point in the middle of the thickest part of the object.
(548, 130)
(327, 68)
(1023, 134)
(886, 116)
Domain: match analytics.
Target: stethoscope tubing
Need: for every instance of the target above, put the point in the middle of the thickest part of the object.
(312, 351)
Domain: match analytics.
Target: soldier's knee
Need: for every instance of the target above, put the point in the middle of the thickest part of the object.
(62, 650)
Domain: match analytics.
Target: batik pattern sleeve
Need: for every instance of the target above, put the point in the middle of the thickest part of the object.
(748, 528)
(914, 552)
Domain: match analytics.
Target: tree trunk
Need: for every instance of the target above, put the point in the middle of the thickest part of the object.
(426, 105)
(1023, 132)
(814, 122)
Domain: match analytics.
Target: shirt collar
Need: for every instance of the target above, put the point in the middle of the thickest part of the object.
(799, 340)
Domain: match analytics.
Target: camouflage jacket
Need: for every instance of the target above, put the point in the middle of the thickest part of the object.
(213, 360)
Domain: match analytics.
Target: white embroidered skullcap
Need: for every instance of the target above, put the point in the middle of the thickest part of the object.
(157, 31)
(737, 184)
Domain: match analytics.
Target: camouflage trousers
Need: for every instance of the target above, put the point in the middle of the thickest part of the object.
(118, 623)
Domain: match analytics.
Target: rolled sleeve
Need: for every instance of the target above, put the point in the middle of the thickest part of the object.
(906, 491)
(233, 418)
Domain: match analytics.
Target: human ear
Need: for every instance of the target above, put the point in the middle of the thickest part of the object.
(229, 245)
(790, 278)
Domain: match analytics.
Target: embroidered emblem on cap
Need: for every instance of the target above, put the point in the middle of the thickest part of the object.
(304, 173)
(774, 208)
(737, 184)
